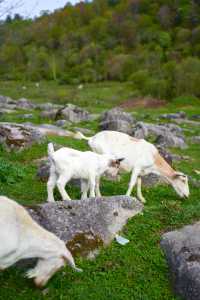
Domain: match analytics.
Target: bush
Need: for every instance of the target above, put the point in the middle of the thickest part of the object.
(150, 86)
(187, 79)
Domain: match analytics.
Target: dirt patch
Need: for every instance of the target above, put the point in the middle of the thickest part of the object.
(143, 102)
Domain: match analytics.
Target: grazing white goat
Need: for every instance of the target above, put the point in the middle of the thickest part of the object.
(67, 164)
(140, 158)
(21, 237)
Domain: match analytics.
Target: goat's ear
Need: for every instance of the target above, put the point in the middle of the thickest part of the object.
(179, 174)
(116, 162)
(120, 159)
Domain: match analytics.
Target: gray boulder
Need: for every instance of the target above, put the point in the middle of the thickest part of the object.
(49, 114)
(48, 106)
(118, 120)
(195, 139)
(178, 115)
(62, 123)
(43, 170)
(86, 225)
(48, 129)
(7, 105)
(166, 135)
(18, 136)
(195, 117)
(26, 116)
(171, 140)
(182, 250)
(73, 114)
(24, 103)
(187, 122)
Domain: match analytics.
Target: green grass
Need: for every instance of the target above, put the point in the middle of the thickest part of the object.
(137, 271)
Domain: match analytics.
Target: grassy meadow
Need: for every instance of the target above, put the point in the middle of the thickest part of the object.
(137, 271)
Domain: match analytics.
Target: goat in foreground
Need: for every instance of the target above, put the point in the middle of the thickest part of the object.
(140, 158)
(67, 163)
(21, 238)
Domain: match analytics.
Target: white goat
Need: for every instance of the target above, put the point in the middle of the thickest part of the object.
(67, 163)
(22, 238)
(140, 158)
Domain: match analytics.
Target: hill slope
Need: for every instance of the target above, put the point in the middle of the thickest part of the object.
(154, 44)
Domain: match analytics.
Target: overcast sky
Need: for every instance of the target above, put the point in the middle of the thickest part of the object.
(31, 8)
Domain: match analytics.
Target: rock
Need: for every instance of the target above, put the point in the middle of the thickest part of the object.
(195, 117)
(194, 182)
(48, 106)
(73, 114)
(151, 180)
(84, 130)
(195, 139)
(26, 116)
(49, 114)
(43, 170)
(18, 136)
(182, 250)
(86, 225)
(186, 122)
(23, 103)
(166, 135)
(62, 123)
(171, 140)
(48, 129)
(7, 105)
(118, 120)
(6, 111)
(178, 115)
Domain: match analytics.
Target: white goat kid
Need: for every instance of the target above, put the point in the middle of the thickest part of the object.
(140, 158)
(67, 163)
(21, 238)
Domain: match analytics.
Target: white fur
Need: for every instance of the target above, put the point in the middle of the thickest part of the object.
(67, 163)
(21, 237)
(139, 159)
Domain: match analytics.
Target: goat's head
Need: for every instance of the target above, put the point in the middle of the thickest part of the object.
(114, 166)
(180, 184)
(48, 266)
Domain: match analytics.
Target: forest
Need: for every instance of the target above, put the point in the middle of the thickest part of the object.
(155, 45)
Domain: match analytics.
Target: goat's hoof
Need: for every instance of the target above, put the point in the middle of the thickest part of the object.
(78, 270)
(50, 200)
(142, 200)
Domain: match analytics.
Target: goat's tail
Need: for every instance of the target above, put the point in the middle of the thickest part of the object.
(50, 150)
(79, 136)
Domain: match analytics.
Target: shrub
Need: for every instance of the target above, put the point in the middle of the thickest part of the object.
(187, 79)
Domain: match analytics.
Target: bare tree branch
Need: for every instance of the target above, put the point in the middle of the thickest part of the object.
(7, 7)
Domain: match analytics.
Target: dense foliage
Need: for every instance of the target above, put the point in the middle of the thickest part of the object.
(154, 44)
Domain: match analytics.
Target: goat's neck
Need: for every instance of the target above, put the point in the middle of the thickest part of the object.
(163, 168)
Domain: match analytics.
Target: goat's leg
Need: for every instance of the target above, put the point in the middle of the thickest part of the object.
(51, 185)
(92, 184)
(134, 176)
(97, 187)
(84, 189)
(139, 190)
(61, 183)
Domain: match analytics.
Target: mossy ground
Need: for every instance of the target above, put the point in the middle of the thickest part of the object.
(137, 271)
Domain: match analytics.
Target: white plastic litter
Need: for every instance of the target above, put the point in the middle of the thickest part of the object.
(121, 240)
